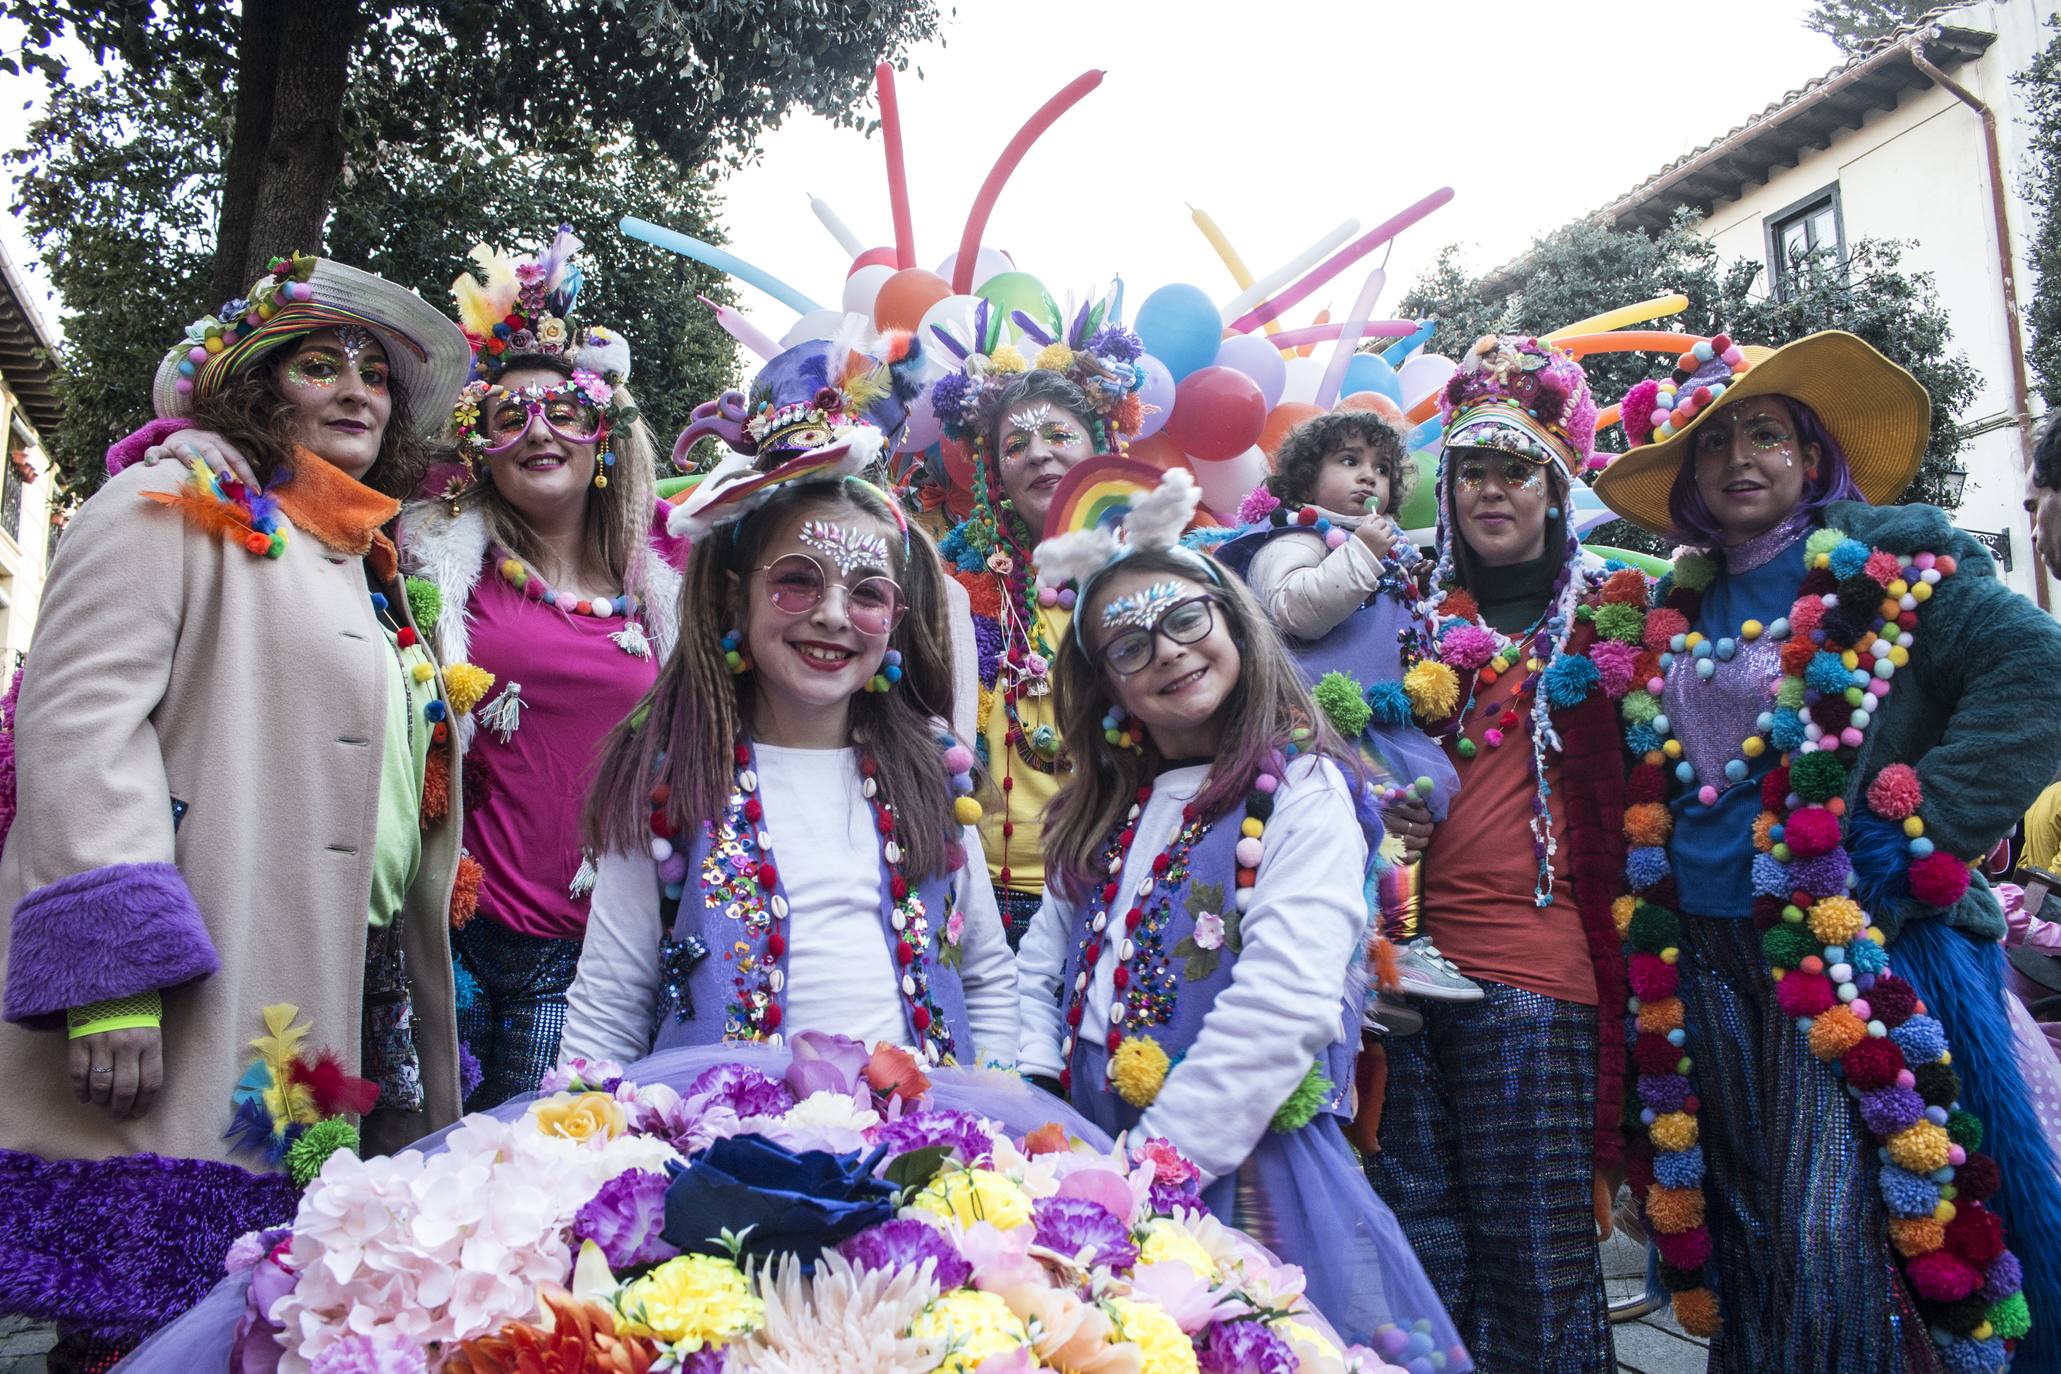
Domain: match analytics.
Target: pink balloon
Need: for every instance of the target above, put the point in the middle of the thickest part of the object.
(884, 257)
(923, 428)
(1218, 413)
(1256, 356)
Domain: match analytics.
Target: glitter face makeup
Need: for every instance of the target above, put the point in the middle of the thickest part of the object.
(355, 340)
(1514, 473)
(1750, 466)
(847, 548)
(1142, 609)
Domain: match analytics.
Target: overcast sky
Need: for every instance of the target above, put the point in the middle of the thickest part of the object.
(1281, 118)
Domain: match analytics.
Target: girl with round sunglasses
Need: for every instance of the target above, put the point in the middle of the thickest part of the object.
(1194, 971)
(785, 828)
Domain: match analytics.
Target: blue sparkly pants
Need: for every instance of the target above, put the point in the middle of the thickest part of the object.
(1800, 1237)
(513, 1022)
(1488, 1160)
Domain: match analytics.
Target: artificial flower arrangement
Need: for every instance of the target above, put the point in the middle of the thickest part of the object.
(835, 1219)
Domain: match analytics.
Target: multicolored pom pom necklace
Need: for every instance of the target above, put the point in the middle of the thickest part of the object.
(741, 882)
(1851, 628)
(1144, 987)
(631, 639)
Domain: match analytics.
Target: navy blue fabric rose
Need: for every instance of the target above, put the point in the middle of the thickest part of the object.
(781, 1202)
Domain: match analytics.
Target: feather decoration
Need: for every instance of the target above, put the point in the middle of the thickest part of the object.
(562, 276)
(1075, 556)
(250, 1128)
(484, 301)
(333, 1090)
(866, 381)
(1159, 516)
(208, 512)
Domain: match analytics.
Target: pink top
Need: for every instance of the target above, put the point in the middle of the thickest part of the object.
(576, 684)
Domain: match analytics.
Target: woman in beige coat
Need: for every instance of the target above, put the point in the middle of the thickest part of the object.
(228, 879)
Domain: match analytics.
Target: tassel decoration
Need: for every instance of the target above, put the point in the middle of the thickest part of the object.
(503, 715)
(583, 881)
(631, 640)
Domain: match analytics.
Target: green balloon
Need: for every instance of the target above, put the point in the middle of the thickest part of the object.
(669, 487)
(1644, 562)
(1009, 291)
(1420, 512)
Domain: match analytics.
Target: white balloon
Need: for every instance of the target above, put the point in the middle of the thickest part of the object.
(955, 313)
(1422, 375)
(862, 286)
(1226, 484)
(988, 263)
(1305, 375)
(817, 324)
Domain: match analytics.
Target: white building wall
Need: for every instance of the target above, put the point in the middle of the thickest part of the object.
(1920, 174)
(24, 559)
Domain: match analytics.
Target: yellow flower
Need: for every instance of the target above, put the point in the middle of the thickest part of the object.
(975, 1326)
(1006, 359)
(1309, 1343)
(691, 1302)
(1138, 1070)
(1159, 1338)
(1167, 1241)
(464, 685)
(1433, 689)
(970, 1195)
(581, 1116)
(1054, 357)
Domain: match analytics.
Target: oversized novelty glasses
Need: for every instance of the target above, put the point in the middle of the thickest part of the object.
(1511, 472)
(796, 584)
(564, 409)
(1184, 623)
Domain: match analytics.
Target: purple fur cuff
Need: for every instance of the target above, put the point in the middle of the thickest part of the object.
(121, 1246)
(105, 933)
(122, 452)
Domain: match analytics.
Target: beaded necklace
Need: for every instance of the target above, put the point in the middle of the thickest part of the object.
(630, 639)
(1851, 628)
(1144, 988)
(741, 879)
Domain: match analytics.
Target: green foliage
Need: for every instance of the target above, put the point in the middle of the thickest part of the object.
(1583, 269)
(2039, 86)
(1857, 25)
(615, 109)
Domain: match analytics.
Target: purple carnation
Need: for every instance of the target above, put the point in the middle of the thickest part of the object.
(1891, 1109)
(2005, 1277)
(904, 1244)
(1116, 341)
(1244, 1348)
(1167, 1198)
(710, 1359)
(1663, 1092)
(743, 1090)
(1073, 1224)
(987, 638)
(962, 1132)
(625, 1219)
(948, 398)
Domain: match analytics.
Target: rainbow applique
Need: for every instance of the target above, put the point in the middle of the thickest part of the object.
(1099, 493)
(219, 502)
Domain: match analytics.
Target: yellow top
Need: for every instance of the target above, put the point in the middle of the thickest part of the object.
(2042, 831)
(1012, 826)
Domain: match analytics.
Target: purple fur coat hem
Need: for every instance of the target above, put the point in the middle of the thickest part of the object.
(118, 1247)
(108, 932)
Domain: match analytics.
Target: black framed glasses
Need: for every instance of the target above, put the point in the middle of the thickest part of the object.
(796, 584)
(1184, 623)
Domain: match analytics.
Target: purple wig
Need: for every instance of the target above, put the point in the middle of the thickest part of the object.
(1695, 525)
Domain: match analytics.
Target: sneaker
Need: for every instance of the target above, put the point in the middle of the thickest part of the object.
(1386, 1015)
(1424, 972)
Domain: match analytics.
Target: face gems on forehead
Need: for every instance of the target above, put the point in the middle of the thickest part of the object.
(848, 549)
(355, 340)
(1142, 609)
(1030, 417)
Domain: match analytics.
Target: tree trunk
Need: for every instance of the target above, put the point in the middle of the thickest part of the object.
(298, 132)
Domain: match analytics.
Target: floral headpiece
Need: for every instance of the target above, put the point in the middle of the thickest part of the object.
(1156, 522)
(1521, 396)
(1654, 410)
(526, 304)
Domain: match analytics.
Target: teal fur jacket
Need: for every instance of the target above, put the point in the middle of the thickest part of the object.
(1977, 713)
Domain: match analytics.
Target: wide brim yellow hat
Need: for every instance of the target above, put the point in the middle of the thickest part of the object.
(1877, 411)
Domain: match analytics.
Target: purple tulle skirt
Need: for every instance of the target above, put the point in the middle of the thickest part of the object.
(200, 1342)
(1302, 1194)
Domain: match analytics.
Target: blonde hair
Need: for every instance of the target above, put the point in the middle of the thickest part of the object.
(684, 731)
(1259, 718)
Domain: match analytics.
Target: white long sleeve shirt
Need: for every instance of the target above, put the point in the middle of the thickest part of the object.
(1300, 936)
(840, 975)
(1309, 589)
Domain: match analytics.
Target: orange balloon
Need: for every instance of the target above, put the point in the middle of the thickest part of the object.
(1157, 450)
(1374, 401)
(958, 463)
(1283, 418)
(906, 296)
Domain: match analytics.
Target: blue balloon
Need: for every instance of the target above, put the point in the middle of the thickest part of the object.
(1181, 328)
(1370, 372)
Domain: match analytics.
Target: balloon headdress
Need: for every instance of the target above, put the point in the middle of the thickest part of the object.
(824, 408)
